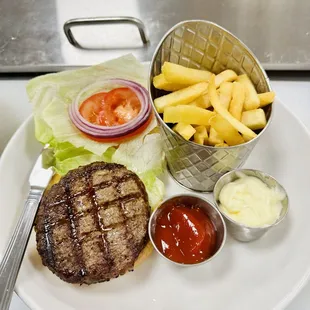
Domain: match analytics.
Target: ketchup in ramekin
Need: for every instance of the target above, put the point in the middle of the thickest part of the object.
(187, 230)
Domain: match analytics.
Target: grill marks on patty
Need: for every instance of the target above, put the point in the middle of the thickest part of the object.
(92, 225)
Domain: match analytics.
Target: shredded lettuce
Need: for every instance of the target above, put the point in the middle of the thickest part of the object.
(51, 95)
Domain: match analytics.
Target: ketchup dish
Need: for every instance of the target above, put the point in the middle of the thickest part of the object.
(187, 230)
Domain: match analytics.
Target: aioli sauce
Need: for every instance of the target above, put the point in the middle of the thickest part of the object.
(185, 234)
(251, 202)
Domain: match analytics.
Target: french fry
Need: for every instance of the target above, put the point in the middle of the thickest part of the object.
(215, 101)
(225, 93)
(237, 101)
(181, 75)
(202, 102)
(254, 119)
(266, 98)
(182, 96)
(160, 82)
(194, 104)
(246, 138)
(225, 76)
(206, 126)
(237, 106)
(187, 114)
(201, 135)
(225, 130)
(185, 130)
(251, 98)
(214, 138)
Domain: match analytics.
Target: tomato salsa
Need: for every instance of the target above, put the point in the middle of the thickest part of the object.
(185, 234)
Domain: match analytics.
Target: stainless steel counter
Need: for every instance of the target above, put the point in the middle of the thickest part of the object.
(32, 36)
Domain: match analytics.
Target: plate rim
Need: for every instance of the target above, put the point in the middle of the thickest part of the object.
(282, 304)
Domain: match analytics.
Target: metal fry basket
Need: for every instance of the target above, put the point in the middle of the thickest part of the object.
(204, 45)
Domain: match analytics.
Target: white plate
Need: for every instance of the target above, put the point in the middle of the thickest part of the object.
(265, 274)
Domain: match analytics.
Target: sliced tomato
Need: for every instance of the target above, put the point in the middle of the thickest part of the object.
(91, 107)
(114, 108)
(123, 104)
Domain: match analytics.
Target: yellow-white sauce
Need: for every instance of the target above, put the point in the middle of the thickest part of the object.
(251, 202)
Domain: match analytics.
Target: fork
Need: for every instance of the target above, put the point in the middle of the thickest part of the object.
(14, 252)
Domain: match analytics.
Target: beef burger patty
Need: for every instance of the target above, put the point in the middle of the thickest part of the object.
(92, 225)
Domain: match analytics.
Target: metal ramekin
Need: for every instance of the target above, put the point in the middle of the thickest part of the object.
(192, 200)
(239, 231)
(204, 45)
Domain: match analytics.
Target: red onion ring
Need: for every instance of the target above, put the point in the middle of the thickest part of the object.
(98, 131)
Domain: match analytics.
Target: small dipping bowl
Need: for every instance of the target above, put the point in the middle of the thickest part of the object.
(240, 231)
(196, 201)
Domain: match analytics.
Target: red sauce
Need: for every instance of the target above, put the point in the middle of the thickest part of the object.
(185, 234)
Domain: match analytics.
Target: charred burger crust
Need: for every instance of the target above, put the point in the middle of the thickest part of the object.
(92, 225)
